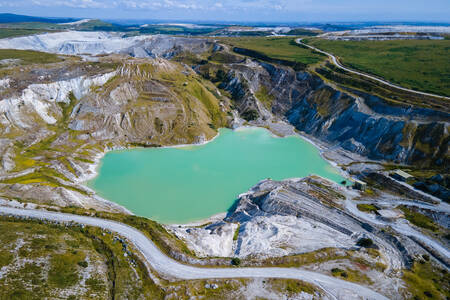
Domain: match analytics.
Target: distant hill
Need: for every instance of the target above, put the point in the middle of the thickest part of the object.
(13, 18)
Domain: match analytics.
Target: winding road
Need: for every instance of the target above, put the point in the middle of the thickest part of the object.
(335, 288)
(336, 62)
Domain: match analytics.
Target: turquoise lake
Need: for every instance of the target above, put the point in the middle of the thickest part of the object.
(183, 184)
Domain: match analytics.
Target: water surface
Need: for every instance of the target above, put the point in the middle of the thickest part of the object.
(178, 185)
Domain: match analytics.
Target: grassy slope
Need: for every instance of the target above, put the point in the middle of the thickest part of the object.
(426, 281)
(29, 57)
(50, 261)
(276, 47)
(416, 64)
(419, 219)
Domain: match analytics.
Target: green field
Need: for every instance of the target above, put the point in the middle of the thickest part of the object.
(417, 64)
(13, 32)
(276, 47)
(29, 57)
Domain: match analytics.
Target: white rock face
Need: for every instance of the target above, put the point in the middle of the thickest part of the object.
(95, 43)
(72, 42)
(280, 218)
(215, 242)
(263, 236)
(4, 83)
(77, 22)
(38, 98)
(283, 235)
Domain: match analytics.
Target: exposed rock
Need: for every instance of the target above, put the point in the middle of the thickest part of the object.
(358, 122)
(95, 43)
(280, 218)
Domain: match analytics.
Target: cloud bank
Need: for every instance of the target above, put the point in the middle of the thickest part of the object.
(241, 10)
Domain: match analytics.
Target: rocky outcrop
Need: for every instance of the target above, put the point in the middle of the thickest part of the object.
(281, 218)
(43, 99)
(95, 43)
(357, 122)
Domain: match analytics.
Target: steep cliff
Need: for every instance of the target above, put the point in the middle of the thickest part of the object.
(356, 121)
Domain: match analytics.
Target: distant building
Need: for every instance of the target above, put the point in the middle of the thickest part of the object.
(359, 185)
(401, 175)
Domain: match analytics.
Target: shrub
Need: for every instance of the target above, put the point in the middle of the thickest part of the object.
(365, 242)
(236, 261)
(83, 263)
(250, 115)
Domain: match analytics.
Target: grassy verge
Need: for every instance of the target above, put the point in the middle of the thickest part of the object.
(299, 260)
(291, 287)
(166, 241)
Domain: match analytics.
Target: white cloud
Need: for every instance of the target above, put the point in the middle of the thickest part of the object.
(73, 3)
(236, 5)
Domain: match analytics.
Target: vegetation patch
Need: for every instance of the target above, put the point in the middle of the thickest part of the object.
(250, 115)
(263, 95)
(63, 271)
(418, 219)
(351, 275)
(15, 32)
(63, 251)
(236, 233)
(370, 208)
(426, 281)
(318, 256)
(292, 287)
(281, 48)
(27, 57)
(416, 64)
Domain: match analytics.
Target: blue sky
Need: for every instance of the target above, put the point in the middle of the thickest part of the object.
(238, 10)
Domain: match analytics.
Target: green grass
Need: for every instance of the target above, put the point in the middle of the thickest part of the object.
(425, 281)
(236, 233)
(29, 57)
(263, 95)
(166, 241)
(298, 260)
(351, 275)
(418, 219)
(56, 256)
(14, 32)
(63, 272)
(417, 64)
(277, 47)
(292, 287)
(391, 96)
(367, 208)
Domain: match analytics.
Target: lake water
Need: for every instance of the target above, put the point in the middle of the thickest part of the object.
(178, 185)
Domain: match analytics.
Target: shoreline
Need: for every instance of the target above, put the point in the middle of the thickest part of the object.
(93, 169)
